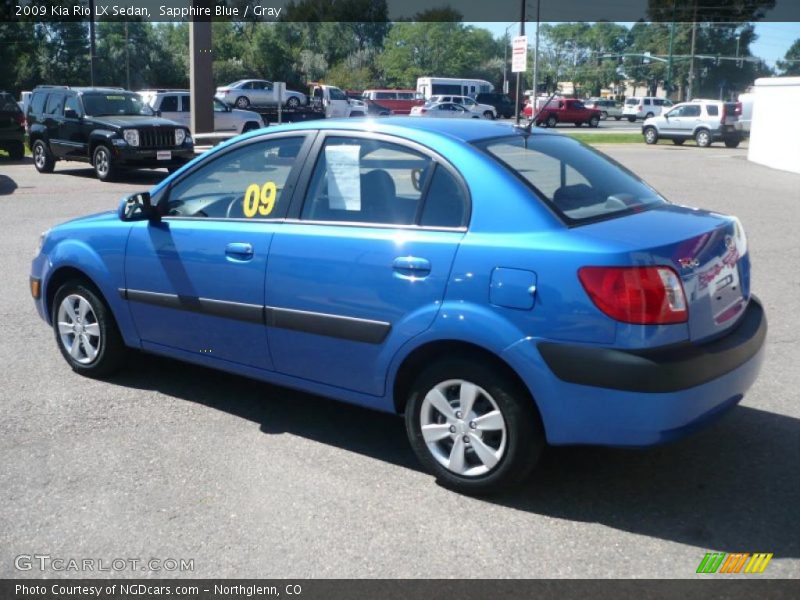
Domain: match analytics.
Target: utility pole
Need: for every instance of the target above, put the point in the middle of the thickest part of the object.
(536, 57)
(91, 43)
(668, 82)
(691, 60)
(521, 32)
(127, 59)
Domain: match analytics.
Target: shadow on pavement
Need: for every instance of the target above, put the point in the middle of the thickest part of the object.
(132, 176)
(734, 487)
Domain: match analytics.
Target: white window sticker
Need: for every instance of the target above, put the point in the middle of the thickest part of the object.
(343, 176)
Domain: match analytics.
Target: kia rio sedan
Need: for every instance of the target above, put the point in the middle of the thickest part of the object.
(499, 287)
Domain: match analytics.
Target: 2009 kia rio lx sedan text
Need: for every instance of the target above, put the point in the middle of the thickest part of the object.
(501, 288)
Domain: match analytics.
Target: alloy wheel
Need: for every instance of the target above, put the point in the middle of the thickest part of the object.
(78, 329)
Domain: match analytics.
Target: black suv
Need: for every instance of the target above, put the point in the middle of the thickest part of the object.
(12, 127)
(502, 103)
(107, 127)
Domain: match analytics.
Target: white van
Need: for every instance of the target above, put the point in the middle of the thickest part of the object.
(644, 107)
(436, 86)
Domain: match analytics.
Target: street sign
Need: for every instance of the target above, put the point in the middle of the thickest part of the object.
(519, 54)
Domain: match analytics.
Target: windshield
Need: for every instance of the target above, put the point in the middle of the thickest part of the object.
(580, 183)
(116, 104)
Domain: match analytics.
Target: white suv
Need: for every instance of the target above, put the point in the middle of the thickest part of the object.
(644, 107)
(704, 121)
(175, 106)
(487, 111)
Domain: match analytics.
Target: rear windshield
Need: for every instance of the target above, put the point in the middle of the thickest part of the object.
(8, 104)
(631, 101)
(115, 103)
(579, 183)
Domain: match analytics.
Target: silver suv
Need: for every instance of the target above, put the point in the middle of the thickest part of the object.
(704, 121)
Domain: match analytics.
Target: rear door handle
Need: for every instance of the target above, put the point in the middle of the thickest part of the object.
(239, 250)
(412, 266)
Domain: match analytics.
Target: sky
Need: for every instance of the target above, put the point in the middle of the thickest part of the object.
(774, 38)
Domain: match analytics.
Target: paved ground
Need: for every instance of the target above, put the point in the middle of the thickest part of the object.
(173, 461)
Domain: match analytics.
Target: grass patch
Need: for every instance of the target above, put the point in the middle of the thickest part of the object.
(607, 138)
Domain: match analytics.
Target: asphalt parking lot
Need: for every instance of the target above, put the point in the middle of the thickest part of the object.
(171, 461)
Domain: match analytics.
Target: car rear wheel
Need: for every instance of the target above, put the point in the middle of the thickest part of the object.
(103, 164)
(487, 114)
(578, 123)
(650, 135)
(42, 159)
(594, 121)
(703, 138)
(242, 102)
(472, 426)
(293, 102)
(632, 119)
(551, 121)
(617, 118)
(85, 330)
(732, 143)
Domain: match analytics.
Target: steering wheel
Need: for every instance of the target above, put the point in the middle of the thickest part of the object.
(234, 201)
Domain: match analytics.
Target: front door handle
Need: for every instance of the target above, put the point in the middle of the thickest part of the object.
(239, 250)
(412, 266)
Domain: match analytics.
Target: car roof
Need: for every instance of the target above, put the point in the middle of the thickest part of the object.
(466, 130)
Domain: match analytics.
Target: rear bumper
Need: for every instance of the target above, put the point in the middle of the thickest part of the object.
(592, 395)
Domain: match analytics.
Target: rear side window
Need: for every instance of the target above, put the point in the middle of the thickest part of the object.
(37, 102)
(712, 110)
(54, 104)
(169, 104)
(691, 110)
(445, 203)
(384, 96)
(579, 183)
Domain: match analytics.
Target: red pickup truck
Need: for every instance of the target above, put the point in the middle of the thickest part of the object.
(564, 110)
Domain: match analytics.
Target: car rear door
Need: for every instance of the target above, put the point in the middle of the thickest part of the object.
(195, 280)
(351, 277)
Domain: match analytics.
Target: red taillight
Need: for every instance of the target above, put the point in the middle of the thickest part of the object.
(738, 110)
(724, 114)
(641, 295)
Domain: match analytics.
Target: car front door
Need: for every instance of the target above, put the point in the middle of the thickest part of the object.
(690, 119)
(672, 121)
(224, 117)
(360, 266)
(195, 280)
(73, 141)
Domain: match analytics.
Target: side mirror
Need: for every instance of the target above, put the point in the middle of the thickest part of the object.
(71, 113)
(138, 207)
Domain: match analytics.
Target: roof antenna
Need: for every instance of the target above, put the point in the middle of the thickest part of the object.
(527, 128)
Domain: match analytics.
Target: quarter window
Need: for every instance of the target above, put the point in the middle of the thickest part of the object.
(445, 204)
(244, 183)
(712, 110)
(169, 104)
(366, 181)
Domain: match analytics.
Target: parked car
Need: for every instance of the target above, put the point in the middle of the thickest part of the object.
(110, 128)
(644, 107)
(333, 102)
(608, 108)
(176, 106)
(501, 288)
(487, 111)
(257, 92)
(745, 112)
(398, 102)
(12, 127)
(444, 110)
(502, 103)
(563, 110)
(705, 121)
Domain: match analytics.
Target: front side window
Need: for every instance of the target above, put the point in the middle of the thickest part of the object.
(366, 181)
(245, 183)
(72, 104)
(54, 103)
(691, 110)
(580, 183)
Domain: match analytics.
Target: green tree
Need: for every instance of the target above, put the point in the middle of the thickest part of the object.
(790, 65)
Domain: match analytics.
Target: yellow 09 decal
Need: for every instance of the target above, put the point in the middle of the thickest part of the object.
(260, 200)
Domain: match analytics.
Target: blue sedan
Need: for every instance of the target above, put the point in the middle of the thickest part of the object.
(501, 288)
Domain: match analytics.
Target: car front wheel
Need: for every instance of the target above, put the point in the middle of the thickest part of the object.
(103, 165)
(42, 159)
(488, 115)
(650, 135)
(631, 119)
(703, 138)
(85, 330)
(473, 427)
(551, 121)
(293, 102)
(594, 121)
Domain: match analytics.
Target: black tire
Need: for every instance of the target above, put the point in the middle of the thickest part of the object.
(487, 114)
(250, 126)
(732, 142)
(293, 102)
(650, 135)
(552, 121)
(594, 121)
(678, 142)
(42, 159)
(103, 163)
(17, 151)
(632, 119)
(703, 138)
(242, 102)
(111, 350)
(578, 123)
(524, 435)
(648, 115)
(617, 118)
